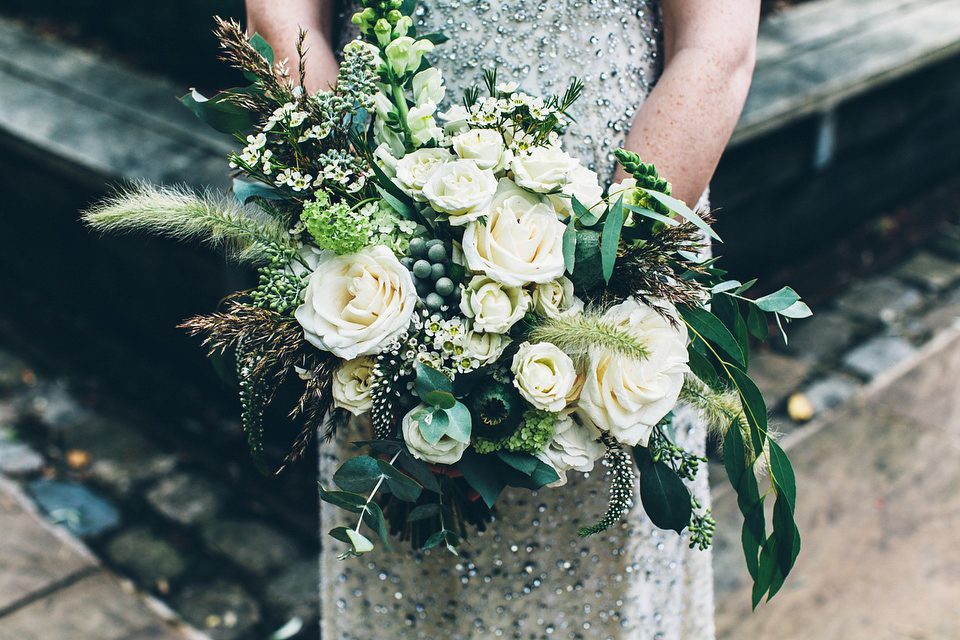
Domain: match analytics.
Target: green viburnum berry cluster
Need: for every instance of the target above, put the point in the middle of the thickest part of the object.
(531, 437)
(343, 229)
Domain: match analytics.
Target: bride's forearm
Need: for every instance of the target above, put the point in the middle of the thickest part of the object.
(686, 121)
(280, 22)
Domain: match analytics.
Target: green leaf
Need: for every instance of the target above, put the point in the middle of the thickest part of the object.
(583, 215)
(734, 455)
(682, 210)
(570, 246)
(523, 462)
(610, 238)
(798, 309)
(373, 518)
(358, 475)
(767, 567)
(589, 271)
(753, 407)
(434, 540)
(543, 475)
(440, 399)
(435, 38)
(460, 423)
(219, 113)
(263, 47)
(402, 486)
(423, 511)
(785, 528)
(433, 424)
(777, 301)
(340, 533)
(244, 190)
(352, 502)
(664, 496)
(783, 476)
(757, 323)
(702, 368)
(728, 285)
(429, 379)
(745, 286)
(653, 215)
(420, 471)
(402, 208)
(708, 327)
(480, 471)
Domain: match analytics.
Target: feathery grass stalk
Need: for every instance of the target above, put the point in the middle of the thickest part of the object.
(247, 234)
(576, 335)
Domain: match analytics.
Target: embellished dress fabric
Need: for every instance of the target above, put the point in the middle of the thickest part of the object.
(529, 575)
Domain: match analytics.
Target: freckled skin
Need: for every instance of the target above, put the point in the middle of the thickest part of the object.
(682, 126)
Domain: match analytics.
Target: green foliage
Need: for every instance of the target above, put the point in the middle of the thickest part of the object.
(664, 496)
(488, 474)
(610, 238)
(577, 335)
(247, 234)
(532, 436)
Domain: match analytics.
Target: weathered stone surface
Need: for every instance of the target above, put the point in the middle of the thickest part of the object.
(75, 507)
(17, 458)
(822, 337)
(148, 558)
(879, 497)
(56, 407)
(185, 498)
(255, 546)
(877, 355)
(123, 476)
(11, 372)
(929, 271)
(95, 608)
(777, 375)
(222, 610)
(32, 557)
(947, 242)
(295, 592)
(880, 299)
(831, 391)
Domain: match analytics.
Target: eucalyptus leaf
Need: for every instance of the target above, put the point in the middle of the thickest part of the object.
(403, 209)
(358, 475)
(682, 210)
(344, 499)
(429, 379)
(440, 399)
(523, 462)
(783, 476)
(589, 267)
(757, 323)
(727, 285)
(460, 423)
(360, 542)
(423, 511)
(570, 246)
(653, 215)
(262, 47)
(402, 486)
(610, 238)
(481, 472)
(754, 407)
(583, 215)
(434, 540)
(373, 518)
(218, 112)
(433, 424)
(340, 533)
(708, 327)
(435, 38)
(420, 471)
(778, 300)
(798, 309)
(244, 190)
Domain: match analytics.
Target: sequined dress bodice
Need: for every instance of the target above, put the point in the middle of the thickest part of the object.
(528, 575)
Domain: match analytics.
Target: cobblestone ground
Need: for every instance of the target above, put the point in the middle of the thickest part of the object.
(198, 538)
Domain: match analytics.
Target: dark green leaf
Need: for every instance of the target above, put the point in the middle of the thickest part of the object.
(243, 190)
(701, 367)
(429, 379)
(523, 462)
(402, 486)
(653, 215)
(610, 238)
(682, 210)
(745, 286)
(219, 113)
(778, 300)
(344, 499)
(753, 407)
(358, 475)
(440, 399)
(373, 518)
(734, 455)
(767, 567)
(708, 327)
(403, 209)
(589, 270)
(481, 472)
(459, 424)
(757, 322)
(570, 246)
(434, 540)
(419, 470)
(751, 538)
(263, 47)
(583, 215)
(435, 38)
(783, 476)
(786, 532)
(423, 511)
(664, 496)
(340, 533)
(543, 475)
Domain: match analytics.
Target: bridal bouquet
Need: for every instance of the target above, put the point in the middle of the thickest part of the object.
(464, 288)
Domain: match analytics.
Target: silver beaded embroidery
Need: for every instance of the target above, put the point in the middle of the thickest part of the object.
(529, 576)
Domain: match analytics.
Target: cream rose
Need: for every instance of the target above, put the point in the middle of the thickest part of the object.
(484, 146)
(356, 304)
(462, 189)
(585, 185)
(575, 445)
(543, 169)
(445, 451)
(351, 385)
(484, 347)
(626, 396)
(544, 375)
(493, 306)
(414, 169)
(556, 299)
(521, 240)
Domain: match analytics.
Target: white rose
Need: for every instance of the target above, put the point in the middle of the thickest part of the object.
(543, 169)
(627, 396)
(405, 54)
(484, 347)
(585, 185)
(456, 119)
(462, 189)
(575, 445)
(484, 146)
(544, 375)
(428, 86)
(445, 451)
(421, 124)
(357, 304)
(414, 169)
(493, 306)
(521, 240)
(351, 385)
(556, 299)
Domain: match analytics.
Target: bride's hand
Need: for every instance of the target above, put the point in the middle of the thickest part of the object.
(280, 24)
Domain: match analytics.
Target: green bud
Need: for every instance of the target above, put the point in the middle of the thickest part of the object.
(383, 31)
(393, 16)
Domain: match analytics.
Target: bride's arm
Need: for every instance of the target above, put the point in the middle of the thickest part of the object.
(280, 22)
(685, 122)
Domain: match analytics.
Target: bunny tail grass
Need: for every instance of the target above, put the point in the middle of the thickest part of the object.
(576, 335)
(245, 233)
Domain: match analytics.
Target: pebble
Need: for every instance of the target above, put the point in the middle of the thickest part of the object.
(223, 610)
(148, 558)
(257, 547)
(75, 507)
(185, 498)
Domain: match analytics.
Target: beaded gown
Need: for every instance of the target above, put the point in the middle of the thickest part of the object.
(528, 575)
